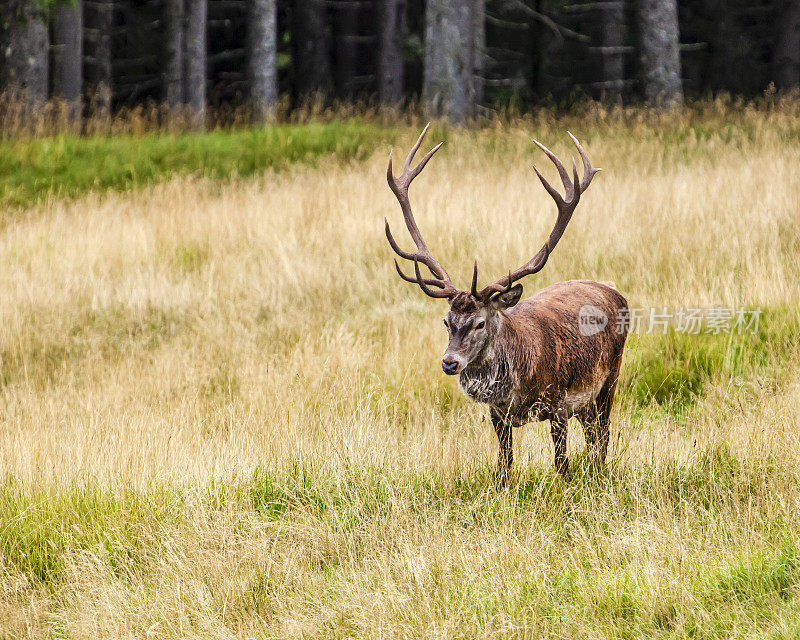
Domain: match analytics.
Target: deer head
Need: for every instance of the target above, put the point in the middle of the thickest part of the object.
(475, 316)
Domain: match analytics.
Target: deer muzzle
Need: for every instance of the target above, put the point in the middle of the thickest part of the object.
(451, 365)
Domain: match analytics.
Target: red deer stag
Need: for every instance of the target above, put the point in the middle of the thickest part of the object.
(548, 357)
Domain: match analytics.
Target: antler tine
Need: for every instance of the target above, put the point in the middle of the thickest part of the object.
(393, 243)
(429, 281)
(562, 172)
(555, 195)
(408, 173)
(499, 287)
(413, 173)
(588, 169)
(415, 148)
(474, 288)
(425, 259)
(566, 207)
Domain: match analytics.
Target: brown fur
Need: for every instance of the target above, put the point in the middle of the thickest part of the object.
(534, 363)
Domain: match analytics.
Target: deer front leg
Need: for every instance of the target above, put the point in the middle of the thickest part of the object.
(558, 430)
(505, 455)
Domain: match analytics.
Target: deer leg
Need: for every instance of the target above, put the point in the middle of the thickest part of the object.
(505, 455)
(591, 430)
(558, 430)
(604, 401)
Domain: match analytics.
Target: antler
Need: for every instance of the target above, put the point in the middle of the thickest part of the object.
(573, 188)
(399, 186)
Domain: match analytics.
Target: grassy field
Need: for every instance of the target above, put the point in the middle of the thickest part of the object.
(69, 165)
(222, 414)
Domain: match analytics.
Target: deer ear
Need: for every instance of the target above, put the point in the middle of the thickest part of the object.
(506, 299)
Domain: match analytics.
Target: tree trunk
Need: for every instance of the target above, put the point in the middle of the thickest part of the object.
(449, 79)
(99, 17)
(786, 59)
(173, 44)
(194, 60)
(24, 50)
(613, 39)
(479, 65)
(262, 45)
(346, 30)
(660, 53)
(390, 62)
(68, 56)
(311, 68)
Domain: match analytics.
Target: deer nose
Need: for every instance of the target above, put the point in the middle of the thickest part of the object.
(450, 366)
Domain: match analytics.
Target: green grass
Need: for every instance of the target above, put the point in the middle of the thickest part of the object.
(40, 529)
(133, 534)
(670, 370)
(69, 166)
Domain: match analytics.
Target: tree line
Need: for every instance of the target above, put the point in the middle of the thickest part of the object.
(458, 57)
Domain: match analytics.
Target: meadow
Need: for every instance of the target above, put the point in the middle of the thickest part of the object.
(222, 415)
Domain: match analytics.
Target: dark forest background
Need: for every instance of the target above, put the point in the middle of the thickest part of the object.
(456, 58)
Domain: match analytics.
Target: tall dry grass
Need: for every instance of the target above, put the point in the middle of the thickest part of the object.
(19, 120)
(222, 415)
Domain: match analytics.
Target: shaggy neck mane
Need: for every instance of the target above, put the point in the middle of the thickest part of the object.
(490, 378)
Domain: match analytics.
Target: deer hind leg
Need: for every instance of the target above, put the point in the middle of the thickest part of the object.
(590, 420)
(558, 430)
(598, 429)
(503, 427)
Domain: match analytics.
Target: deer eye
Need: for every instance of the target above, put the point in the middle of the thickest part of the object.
(479, 324)
(445, 323)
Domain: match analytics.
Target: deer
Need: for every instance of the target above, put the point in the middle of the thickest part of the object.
(551, 356)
